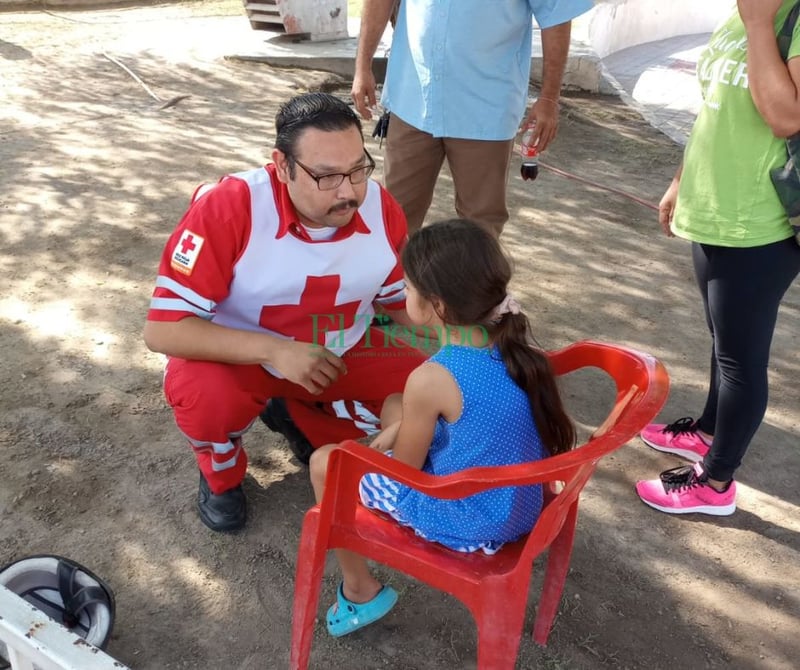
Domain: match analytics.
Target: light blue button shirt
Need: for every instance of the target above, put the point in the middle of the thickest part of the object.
(460, 68)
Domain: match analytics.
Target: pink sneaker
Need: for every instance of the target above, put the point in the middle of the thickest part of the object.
(679, 438)
(684, 490)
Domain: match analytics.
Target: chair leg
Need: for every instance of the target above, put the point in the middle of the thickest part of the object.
(555, 576)
(500, 622)
(307, 585)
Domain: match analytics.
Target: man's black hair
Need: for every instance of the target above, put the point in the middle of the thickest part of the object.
(310, 110)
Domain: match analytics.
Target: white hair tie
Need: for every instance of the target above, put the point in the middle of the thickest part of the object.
(509, 305)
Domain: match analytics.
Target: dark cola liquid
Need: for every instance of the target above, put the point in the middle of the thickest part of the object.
(529, 170)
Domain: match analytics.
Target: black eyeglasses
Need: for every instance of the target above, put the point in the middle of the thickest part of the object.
(328, 182)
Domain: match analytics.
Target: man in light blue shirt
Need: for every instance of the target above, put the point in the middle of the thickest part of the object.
(456, 86)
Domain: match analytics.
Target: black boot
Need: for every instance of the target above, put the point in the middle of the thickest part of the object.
(277, 418)
(224, 512)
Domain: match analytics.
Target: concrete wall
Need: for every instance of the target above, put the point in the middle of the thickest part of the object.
(617, 24)
(611, 26)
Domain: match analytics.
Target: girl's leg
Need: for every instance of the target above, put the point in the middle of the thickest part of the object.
(358, 584)
(744, 291)
(392, 410)
(377, 367)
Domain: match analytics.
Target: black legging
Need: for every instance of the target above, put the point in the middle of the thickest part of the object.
(742, 289)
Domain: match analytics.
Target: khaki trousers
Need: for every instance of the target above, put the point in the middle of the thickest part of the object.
(479, 169)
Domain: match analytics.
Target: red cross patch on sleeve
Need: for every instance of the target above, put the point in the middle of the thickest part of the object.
(185, 254)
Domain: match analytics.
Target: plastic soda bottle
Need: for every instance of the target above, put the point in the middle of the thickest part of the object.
(529, 154)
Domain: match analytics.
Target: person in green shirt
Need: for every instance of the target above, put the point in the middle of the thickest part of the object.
(743, 248)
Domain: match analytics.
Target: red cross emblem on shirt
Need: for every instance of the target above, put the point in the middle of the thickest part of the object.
(315, 315)
(187, 244)
(186, 252)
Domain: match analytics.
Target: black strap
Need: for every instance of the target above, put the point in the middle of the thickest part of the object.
(381, 128)
(76, 598)
(793, 142)
(785, 35)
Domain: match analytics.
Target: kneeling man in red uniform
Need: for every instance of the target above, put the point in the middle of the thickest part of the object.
(264, 302)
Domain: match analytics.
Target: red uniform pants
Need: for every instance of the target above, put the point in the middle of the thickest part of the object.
(215, 403)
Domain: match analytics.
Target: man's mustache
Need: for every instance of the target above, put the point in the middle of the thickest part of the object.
(347, 204)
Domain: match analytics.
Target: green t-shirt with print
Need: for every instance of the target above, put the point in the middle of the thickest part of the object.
(726, 197)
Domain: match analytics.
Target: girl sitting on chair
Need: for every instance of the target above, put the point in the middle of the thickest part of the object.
(488, 397)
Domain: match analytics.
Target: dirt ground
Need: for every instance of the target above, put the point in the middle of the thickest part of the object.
(95, 175)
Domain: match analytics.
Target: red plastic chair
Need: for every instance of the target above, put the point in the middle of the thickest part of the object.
(494, 588)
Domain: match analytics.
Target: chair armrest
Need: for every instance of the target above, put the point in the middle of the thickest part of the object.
(350, 461)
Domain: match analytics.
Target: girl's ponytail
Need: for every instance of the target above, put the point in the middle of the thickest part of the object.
(530, 368)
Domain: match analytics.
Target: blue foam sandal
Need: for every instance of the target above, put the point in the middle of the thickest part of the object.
(346, 617)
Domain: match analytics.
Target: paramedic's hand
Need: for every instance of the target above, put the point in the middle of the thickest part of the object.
(758, 11)
(666, 208)
(314, 367)
(386, 438)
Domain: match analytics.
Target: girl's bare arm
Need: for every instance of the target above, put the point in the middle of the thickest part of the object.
(430, 392)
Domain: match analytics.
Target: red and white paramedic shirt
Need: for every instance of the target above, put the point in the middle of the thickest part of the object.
(241, 258)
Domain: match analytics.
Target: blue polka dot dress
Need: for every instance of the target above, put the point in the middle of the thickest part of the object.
(496, 427)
